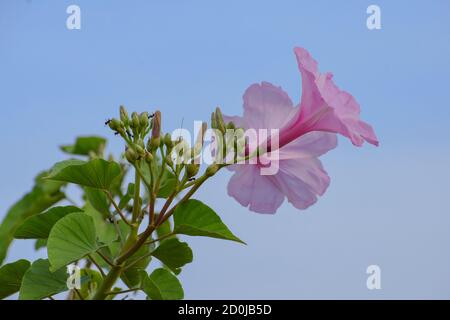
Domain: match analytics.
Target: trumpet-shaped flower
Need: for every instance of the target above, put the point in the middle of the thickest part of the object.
(306, 132)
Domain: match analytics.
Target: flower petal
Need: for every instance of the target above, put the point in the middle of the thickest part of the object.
(312, 144)
(252, 190)
(320, 93)
(266, 106)
(302, 180)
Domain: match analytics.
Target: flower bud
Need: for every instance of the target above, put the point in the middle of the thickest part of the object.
(169, 160)
(192, 170)
(212, 169)
(153, 143)
(124, 116)
(143, 120)
(219, 120)
(148, 157)
(135, 123)
(131, 155)
(168, 141)
(140, 143)
(140, 150)
(116, 125)
(230, 125)
(213, 121)
(156, 129)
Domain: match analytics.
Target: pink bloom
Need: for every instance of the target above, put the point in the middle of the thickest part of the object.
(306, 132)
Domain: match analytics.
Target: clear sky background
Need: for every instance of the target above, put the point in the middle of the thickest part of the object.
(388, 206)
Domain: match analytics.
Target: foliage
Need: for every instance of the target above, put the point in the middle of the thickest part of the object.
(113, 236)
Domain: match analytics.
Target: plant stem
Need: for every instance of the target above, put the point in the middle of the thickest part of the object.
(108, 283)
(105, 258)
(186, 197)
(110, 197)
(137, 193)
(97, 265)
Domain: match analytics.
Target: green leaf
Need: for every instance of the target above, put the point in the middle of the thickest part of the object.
(194, 218)
(167, 185)
(38, 282)
(71, 238)
(85, 145)
(98, 200)
(174, 254)
(11, 275)
(127, 197)
(132, 276)
(40, 243)
(163, 285)
(106, 232)
(39, 226)
(44, 195)
(97, 173)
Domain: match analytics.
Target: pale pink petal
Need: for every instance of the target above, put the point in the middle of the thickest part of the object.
(252, 190)
(324, 107)
(302, 180)
(312, 144)
(266, 106)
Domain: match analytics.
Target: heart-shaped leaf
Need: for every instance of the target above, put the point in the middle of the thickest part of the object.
(174, 254)
(70, 239)
(44, 195)
(39, 283)
(106, 232)
(97, 173)
(11, 275)
(163, 285)
(194, 218)
(98, 200)
(39, 226)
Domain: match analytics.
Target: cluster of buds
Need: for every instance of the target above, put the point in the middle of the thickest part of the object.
(218, 123)
(144, 139)
(134, 130)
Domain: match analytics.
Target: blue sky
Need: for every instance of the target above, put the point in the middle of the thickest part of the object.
(387, 206)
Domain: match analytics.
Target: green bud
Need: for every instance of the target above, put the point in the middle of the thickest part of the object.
(219, 120)
(116, 125)
(131, 155)
(148, 157)
(143, 120)
(231, 126)
(192, 170)
(169, 160)
(124, 116)
(212, 169)
(140, 143)
(135, 123)
(140, 150)
(213, 121)
(168, 141)
(153, 143)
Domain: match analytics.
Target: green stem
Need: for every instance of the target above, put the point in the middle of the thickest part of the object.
(122, 216)
(134, 248)
(137, 193)
(186, 197)
(108, 283)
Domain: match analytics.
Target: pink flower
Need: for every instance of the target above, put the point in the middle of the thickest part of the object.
(306, 132)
